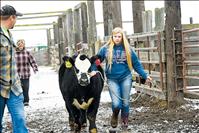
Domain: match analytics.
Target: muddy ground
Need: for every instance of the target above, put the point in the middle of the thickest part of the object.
(47, 113)
(147, 115)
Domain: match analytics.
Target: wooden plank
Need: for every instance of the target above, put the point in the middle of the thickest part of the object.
(135, 36)
(192, 77)
(150, 62)
(190, 46)
(36, 13)
(154, 56)
(43, 16)
(26, 25)
(191, 62)
(191, 30)
(190, 94)
(150, 91)
(192, 87)
(146, 49)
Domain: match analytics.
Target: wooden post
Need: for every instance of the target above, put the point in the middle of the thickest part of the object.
(69, 32)
(92, 31)
(64, 34)
(112, 16)
(116, 13)
(138, 7)
(147, 21)
(81, 25)
(159, 19)
(144, 28)
(172, 10)
(191, 20)
(49, 45)
(76, 26)
(107, 13)
(60, 39)
(84, 20)
(56, 60)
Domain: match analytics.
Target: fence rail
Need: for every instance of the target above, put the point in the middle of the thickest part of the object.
(190, 48)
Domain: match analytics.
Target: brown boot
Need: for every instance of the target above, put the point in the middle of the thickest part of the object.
(125, 121)
(114, 118)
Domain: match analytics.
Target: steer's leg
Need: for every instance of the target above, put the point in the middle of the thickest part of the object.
(91, 114)
(77, 115)
(69, 108)
(83, 118)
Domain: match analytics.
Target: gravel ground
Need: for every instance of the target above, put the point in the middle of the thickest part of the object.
(47, 113)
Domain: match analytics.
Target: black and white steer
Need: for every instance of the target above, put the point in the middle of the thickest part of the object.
(81, 90)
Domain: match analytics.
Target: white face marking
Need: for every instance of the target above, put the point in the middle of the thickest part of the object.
(82, 65)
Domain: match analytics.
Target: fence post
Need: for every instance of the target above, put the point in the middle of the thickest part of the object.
(147, 21)
(173, 21)
(92, 31)
(49, 45)
(138, 7)
(69, 31)
(159, 19)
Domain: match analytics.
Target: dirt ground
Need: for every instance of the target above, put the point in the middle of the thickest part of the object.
(147, 115)
(47, 113)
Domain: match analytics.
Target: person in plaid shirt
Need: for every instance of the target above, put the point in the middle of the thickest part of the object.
(24, 60)
(10, 85)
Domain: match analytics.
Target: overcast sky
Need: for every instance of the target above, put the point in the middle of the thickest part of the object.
(188, 9)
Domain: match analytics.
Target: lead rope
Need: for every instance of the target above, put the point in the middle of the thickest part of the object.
(123, 99)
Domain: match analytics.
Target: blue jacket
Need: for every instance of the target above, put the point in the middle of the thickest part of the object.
(120, 67)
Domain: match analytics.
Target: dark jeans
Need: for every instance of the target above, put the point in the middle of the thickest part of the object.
(25, 87)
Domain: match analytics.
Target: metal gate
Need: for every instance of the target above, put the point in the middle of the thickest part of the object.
(190, 50)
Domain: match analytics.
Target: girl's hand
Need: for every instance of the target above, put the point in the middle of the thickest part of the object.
(148, 80)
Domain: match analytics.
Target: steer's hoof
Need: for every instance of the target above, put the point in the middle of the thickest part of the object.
(77, 128)
(94, 130)
(72, 126)
(84, 125)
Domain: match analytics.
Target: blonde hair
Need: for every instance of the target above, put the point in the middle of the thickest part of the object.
(21, 41)
(126, 47)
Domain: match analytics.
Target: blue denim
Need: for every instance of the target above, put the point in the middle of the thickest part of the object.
(16, 108)
(119, 91)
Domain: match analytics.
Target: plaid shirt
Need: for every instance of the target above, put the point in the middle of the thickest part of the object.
(24, 60)
(9, 79)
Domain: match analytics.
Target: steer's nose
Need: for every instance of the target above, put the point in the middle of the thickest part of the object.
(84, 80)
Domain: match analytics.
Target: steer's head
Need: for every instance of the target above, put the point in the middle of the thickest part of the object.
(82, 64)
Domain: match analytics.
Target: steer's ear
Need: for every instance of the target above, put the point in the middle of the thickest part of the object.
(64, 58)
(95, 58)
(67, 58)
(71, 60)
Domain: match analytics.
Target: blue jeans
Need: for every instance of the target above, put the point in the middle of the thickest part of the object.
(119, 91)
(16, 108)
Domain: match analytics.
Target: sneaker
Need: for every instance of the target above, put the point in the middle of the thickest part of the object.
(114, 118)
(26, 104)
